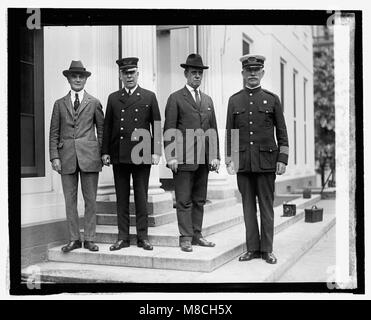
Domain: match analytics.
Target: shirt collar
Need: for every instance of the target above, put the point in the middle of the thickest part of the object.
(132, 90)
(80, 93)
(192, 90)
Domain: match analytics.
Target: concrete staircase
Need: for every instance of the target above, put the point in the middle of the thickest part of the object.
(223, 224)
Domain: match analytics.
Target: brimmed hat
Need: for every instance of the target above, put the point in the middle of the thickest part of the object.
(127, 63)
(194, 60)
(76, 67)
(252, 60)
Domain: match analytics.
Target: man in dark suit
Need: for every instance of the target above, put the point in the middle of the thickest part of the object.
(75, 150)
(192, 150)
(129, 145)
(255, 156)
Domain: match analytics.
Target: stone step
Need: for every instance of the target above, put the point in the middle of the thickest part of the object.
(230, 242)
(289, 245)
(106, 215)
(327, 193)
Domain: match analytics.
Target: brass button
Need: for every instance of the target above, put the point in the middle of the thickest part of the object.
(135, 119)
(250, 122)
(122, 119)
(121, 137)
(136, 110)
(251, 132)
(251, 142)
(250, 112)
(122, 128)
(250, 94)
(251, 102)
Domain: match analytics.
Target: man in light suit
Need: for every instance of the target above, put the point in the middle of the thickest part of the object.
(190, 119)
(74, 150)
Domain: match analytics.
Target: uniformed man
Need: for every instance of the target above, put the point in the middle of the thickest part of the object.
(131, 111)
(256, 113)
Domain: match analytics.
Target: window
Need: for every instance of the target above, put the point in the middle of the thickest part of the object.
(282, 72)
(294, 77)
(31, 90)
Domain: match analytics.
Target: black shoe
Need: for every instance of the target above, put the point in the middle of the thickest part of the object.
(203, 242)
(145, 244)
(91, 246)
(186, 246)
(75, 244)
(119, 244)
(269, 257)
(249, 255)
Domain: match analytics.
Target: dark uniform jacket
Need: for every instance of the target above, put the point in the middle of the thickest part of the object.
(125, 116)
(77, 135)
(191, 125)
(257, 113)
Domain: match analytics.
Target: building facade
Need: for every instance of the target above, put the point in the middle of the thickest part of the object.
(160, 49)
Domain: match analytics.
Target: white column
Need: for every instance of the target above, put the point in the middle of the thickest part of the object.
(210, 48)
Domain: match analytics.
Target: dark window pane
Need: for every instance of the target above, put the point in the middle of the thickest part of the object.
(245, 47)
(27, 141)
(27, 45)
(27, 88)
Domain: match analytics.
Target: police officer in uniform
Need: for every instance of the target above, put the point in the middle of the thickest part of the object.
(130, 111)
(255, 156)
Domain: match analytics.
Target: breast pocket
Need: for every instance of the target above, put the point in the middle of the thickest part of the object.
(266, 115)
(239, 117)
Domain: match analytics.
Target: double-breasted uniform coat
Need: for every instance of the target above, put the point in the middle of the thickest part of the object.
(262, 142)
(125, 117)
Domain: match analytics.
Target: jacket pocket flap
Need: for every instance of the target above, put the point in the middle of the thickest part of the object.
(266, 109)
(268, 148)
(237, 112)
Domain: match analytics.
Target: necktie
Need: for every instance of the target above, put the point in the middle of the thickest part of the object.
(76, 104)
(198, 100)
(129, 92)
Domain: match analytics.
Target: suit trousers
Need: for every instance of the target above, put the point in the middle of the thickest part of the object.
(89, 186)
(261, 185)
(140, 174)
(190, 194)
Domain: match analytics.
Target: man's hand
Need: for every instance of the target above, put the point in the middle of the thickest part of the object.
(155, 159)
(173, 165)
(280, 168)
(215, 164)
(230, 168)
(56, 165)
(106, 159)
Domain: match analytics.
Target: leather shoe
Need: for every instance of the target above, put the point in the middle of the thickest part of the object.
(91, 246)
(186, 246)
(249, 255)
(269, 257)
(75, 244)
(145, 244)
(119, 244)
(203, 242)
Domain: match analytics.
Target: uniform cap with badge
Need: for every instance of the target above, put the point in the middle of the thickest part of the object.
(252, 60)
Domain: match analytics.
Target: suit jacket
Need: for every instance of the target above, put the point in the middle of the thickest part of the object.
(73, 134)
(125, 117)
(257, 114)
(188, 127)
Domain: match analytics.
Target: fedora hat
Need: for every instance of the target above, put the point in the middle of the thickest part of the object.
(76, 67)
(194, 60)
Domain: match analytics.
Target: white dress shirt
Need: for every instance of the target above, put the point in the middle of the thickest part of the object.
(80, 94)
(131, 90)
(192, 91)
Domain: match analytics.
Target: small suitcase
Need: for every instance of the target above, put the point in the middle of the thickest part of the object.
(314, 214)
(289, 210)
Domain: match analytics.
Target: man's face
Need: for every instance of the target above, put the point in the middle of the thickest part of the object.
(77, 81)
(194, 77)
(253, 75)
(129, 77)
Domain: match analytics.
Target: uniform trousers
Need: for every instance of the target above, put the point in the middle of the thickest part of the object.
(261, 185)
(89, 185)
(140, 174)
(190, 194)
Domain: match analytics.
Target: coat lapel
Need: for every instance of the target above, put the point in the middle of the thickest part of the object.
(135, 97)
(188, 97)
(85, 101)
(68, 104)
